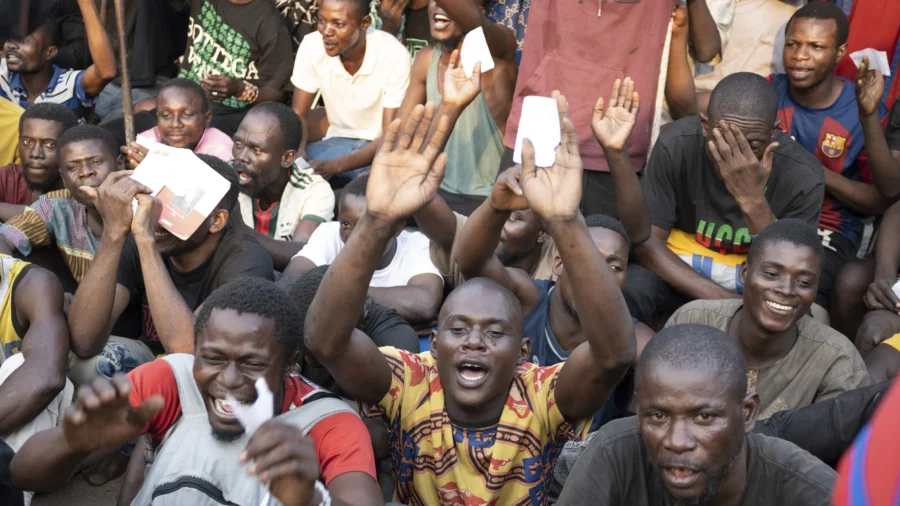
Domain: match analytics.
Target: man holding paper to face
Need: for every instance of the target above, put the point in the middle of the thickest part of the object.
(465, 37)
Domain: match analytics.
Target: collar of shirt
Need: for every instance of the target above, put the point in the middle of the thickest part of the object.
(18, 88)
(368, 64)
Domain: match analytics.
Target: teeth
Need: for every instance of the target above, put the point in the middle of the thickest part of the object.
(243, 177)
(441, 18)
(780, 307)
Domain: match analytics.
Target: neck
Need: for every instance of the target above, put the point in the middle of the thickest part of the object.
(760, 346)
(355, 55)
(275, 191)
(528, 262)
(37, 83)
(565, 327)
(732, 487)
(37, 193)
(477, 417)
(820, 96)
(388, 256)
(95, 221)
(190, 260)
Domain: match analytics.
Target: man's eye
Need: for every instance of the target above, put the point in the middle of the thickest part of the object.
(50, 145)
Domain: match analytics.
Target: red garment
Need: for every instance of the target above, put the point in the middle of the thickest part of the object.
(342, 441)
(13, 187)
(569, 48)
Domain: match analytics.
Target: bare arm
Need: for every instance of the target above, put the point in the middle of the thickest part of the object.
(6, 247)
(30, 388)
(104, 68)
(500, 39)
(10, 211)
(681, 93)
(885, 169)
(705, 39)
(859, 196)
(417, 302)
(301, 104)
(297, 267)
(437, 221)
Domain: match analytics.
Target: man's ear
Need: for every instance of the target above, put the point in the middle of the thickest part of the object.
(366, 23)
(775, 126)
(50, 53)
(542, 237)
(292, 361)
(704, 123)
(841, 53)
(742, 274)
(557, 266)
(208, 117)
(751, 411)
(287, 159)
(120, 162)
(524, 351)
(433, 344)
(219, 221)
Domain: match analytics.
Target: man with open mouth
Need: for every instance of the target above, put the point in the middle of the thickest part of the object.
(691, 443)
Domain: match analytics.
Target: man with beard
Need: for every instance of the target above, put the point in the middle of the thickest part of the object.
(691, 443)
(476, 144)
(38, 173)
(170, 277)
(282, 199)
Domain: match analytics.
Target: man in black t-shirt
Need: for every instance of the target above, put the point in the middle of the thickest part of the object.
(711, 184)
(690, 442)
(171, 277)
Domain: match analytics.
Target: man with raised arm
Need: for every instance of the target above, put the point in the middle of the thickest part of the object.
(474, 393)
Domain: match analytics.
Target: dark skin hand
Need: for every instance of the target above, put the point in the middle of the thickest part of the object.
(887, 262)
(705, 40)
(680, 90)
(104, 69)
(391, 12)
(885, 167)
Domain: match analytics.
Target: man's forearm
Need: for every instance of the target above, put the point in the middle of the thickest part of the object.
(26, 393)
(681, 94)
(358, 159)
(885, 170)
(437, 221)
(10, 211)
(414, 303)
(175, 321)
(479, 239)
(46, 462)
(654, 255)
(91, 311)
(757, 214)
(102, 53)
(887, 246)
(704, 33)
(629, 197)
(861, 197)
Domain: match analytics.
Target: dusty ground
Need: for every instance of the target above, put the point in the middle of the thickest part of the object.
(79, 493)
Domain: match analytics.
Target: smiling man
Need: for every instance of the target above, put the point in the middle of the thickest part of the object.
(791, 359)
(690, 443)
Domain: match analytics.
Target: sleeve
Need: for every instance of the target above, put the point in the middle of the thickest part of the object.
(659, 187)
(409, 377)
(585, 485)
(251, 261)
(130, 275)
(417, 260)
(321, 248)
(32, 228)
(318, 204)
(275, 50)
(156, 378)
(79, 90)
(343, 446)
(540, 388)
(304, 76)
(892, 132)
(845, 374)
(387, 328)
(395, 90)
(807, 205)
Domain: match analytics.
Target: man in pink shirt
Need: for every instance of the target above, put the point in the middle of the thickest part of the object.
(183, 116)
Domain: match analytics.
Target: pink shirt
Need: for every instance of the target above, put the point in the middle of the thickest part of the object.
(214, 142)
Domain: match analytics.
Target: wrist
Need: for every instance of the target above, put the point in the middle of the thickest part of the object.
(377, 221)
(560, 223)
(618, 153)
(144, 241)
(751, 205)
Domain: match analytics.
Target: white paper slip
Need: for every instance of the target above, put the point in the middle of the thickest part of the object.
(145, 142)
(878, 60)
(896, 289)
(539, 123)
(253, 416)
(474, 50)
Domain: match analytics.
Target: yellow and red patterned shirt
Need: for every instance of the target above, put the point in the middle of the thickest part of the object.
(437, 462)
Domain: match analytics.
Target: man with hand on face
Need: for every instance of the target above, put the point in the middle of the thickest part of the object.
(690, 443)
(38, 173)
(245, 332)
(474, 394)
(183, 117)
(362, 74)
(282, 199)
(476, 144)
(170, 277)
(711, 184)
(792, 360)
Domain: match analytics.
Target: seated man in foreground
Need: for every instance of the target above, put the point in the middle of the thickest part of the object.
(690, 442)
(792, 360)
(475, 394)
(248, 326)
(405, 278)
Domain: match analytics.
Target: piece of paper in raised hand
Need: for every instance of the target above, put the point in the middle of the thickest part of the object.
(253, 416)
(474, 50)
(145, 142)
(539, 122)
(878, 60)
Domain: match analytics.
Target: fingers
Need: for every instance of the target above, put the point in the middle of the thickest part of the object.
(387, 143)
(90, 193)
(636, 101)
(422, 129)
(614, 97)
(436, 174)
(570, 138)
(562, 105)
(721, 147)
(96, 395)
(628, 98)
(409, 128)
(115, 177)
(454, 59)
(742, 143)
(714, 149)
(438, 138)
(728, 134)
(147, 410)
(598, 108)
(529, 169)
(862, 70)
(510, 179)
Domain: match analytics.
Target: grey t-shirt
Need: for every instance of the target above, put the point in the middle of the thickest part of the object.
(615, 469)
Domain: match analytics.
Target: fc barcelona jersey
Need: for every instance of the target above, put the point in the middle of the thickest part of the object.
(835, 136)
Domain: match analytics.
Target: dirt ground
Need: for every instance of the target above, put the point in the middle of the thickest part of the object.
(79, 493)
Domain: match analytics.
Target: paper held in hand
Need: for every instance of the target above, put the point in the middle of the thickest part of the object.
(475, 49)
(261, 411)
(539, 123)
(188, 188)
(878, 60)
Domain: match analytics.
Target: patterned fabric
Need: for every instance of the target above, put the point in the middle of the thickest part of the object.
(11, 331)
(438, 462)
(65, 89)
(514, 15)
(56, 218)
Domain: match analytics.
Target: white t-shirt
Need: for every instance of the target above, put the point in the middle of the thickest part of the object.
(411, 259)
(355, 104)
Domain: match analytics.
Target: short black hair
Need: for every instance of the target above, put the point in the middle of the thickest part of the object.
(609, 223)
(824, 11)
(49, 112)
(357, 187)
(257, 296)
(191, 87)
(363, 7)
(789, 230)
(518, 318)
(745, 95)
(288, 123)
(227, 171)
(696, 347)
(303, 291)
(83, 133)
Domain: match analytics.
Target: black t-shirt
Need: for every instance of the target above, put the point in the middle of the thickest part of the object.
(683, 190)
(237, 256)
(892, 132)
(248, 42)
(9, 495)
(417, 32)
(615, 470)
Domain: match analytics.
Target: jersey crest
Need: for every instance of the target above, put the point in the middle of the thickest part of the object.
(833, 145)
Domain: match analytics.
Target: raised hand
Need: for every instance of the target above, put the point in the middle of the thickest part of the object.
(391, 12)
(460, 90)
(282, 457)
(113, 200)
(407, 170)
(135, 153)
(880, 295)
(506, 195)
(102, 416)
(744, 175)
(869, 88)
(613, 127)
(146, 217)
(555, 193)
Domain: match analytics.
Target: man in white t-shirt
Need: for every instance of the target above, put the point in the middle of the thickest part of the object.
(405, 280)
(362, 74)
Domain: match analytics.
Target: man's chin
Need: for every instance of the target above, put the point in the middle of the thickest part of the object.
(226, 436)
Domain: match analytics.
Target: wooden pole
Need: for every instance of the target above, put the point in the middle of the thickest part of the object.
(127, 105)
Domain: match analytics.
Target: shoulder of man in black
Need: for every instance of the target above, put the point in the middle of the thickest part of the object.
(386, 327)
(799, 477)
(239, 254)
(793, 161)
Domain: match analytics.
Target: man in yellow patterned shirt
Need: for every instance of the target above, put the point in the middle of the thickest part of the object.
(472, 422)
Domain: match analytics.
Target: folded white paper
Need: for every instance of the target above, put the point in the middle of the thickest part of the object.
(253, 416)
(878, 60)
(539, 123)
(474, 50)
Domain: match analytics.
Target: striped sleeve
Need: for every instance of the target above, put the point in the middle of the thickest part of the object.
(31, 229)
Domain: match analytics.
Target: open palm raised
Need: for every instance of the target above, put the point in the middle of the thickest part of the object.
(613, 127)
(458, 89)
